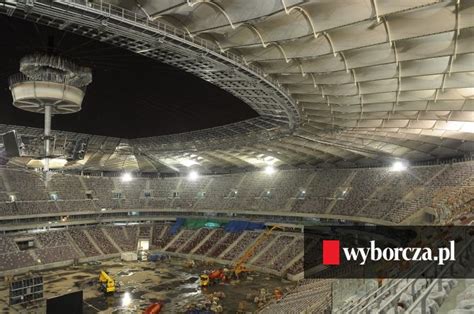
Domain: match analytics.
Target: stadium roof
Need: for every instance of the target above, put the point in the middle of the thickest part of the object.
(350, 82)
(153, 97)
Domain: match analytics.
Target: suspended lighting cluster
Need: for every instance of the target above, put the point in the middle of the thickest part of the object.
(49, 85)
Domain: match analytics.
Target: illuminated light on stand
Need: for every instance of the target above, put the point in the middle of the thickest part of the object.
(193, 176)
(127, 177)
(398, 166)
(269, 170)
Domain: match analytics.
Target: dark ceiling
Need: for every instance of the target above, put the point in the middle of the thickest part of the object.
(130, 96)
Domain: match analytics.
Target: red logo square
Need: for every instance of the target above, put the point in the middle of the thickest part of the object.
(331, 252)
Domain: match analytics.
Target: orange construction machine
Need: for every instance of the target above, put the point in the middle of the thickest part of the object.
(213, 277)
(154, 308)
(239, 265)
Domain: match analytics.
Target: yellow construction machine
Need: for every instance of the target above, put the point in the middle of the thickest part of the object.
(204, 280)
(106, 283)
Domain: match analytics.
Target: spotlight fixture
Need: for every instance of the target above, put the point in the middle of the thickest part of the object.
(269, 170)
(49, 85)
(398, 166)
(193, 175)
(127, 177)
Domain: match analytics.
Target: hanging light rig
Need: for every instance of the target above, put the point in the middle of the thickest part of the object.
(49, 85)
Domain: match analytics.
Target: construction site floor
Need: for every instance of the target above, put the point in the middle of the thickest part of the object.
(173, 282)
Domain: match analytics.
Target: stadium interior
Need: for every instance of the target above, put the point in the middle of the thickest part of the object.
(168, 156)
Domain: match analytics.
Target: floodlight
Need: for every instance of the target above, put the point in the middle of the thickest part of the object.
(127, 177)
(398, 166)
(269, 170)
(193, 175)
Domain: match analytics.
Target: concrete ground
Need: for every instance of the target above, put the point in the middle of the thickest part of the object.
(173, 282)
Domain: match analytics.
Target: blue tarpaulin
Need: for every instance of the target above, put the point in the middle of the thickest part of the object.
(231, 226)
(177, 225)
(239, 225)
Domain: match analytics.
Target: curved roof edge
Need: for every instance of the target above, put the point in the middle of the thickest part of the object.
(151, 38)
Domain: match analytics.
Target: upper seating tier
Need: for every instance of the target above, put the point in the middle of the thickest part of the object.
(368, 193)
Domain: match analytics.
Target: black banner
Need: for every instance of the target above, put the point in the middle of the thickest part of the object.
(389, 252)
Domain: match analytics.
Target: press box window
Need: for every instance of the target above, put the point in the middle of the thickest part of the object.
(147, 194)
(175, 194)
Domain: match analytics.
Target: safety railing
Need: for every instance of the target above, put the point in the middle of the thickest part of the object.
(46, 77)
(395, 293)
(466, 252)
(391, 285)
(372, 297)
